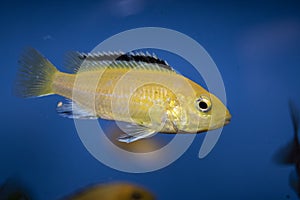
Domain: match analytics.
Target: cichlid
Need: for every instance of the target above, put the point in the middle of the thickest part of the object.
(112, 191)
(14, 190)
(138, 89)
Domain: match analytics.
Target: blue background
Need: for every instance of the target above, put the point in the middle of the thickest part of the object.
(256, 47)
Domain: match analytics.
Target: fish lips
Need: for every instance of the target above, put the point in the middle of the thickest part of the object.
(227, 121)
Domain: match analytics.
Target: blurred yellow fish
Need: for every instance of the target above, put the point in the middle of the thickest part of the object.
(113, 191)
(14, 190)
(138, 89)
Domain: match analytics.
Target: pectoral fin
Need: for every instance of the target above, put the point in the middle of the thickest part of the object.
(135, 132)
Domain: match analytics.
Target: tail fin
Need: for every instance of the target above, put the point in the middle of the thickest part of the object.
(35, 76)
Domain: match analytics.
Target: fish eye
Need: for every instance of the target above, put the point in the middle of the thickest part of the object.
(203, 104)
(136, 196)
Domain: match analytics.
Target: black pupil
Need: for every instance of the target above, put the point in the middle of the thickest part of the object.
(203, 105)
(136, 196)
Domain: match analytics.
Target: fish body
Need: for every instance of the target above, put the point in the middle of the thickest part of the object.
(140, 90)
(14, 190)
(112, 191)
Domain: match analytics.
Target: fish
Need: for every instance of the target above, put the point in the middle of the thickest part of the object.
(112, 191)
(13, 189)
(139, 90)
(289, 155)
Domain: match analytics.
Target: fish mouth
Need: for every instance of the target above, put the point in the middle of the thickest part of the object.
(227, 121)
(227, 118)
(223, 123)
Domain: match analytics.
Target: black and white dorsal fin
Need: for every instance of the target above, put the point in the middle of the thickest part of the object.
(144, 57)
(75, 60)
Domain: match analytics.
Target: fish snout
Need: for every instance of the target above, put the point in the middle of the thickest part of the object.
(227, 118)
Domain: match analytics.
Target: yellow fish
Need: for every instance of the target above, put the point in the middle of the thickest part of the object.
(13, 190)
(138, 89)
(113, 191)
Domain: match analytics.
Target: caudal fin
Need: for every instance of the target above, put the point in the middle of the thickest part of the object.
(35, 76)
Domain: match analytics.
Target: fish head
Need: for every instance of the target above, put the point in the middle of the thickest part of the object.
(203, 111)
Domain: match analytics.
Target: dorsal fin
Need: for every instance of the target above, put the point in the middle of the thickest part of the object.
(141, 57)
(75, 60)
(92, 66)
